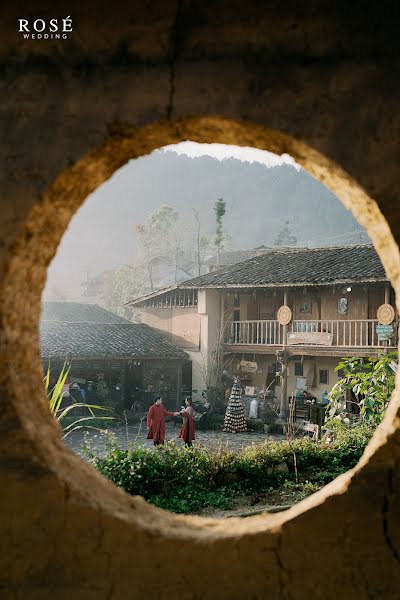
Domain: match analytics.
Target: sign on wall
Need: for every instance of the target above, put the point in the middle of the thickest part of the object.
(317, 338)
(384, 332)
(248, 366)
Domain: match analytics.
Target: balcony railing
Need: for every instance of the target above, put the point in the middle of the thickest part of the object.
(356, 333)
(268, 333)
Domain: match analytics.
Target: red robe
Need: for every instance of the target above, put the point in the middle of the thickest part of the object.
(156, 422)
(187, 429)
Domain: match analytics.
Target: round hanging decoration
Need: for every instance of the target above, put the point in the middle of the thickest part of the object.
(284, 315)
(385, 314)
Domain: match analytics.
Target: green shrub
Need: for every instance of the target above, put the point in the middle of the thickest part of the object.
(255, 425)
(185, 479)
(188, 500)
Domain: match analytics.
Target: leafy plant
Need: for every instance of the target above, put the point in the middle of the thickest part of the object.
(255, 425)
(102, 388)
(371, 381)
(56, 395)
(219, 210)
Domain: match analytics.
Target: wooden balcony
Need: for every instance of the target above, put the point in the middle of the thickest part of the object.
(331, 333)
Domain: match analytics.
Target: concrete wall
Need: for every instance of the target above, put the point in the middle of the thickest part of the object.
(209, 307)
(315, 80)
(182, 325)
(199, 377)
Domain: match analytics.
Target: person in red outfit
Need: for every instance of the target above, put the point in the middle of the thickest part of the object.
(156, 421)
(187, 430)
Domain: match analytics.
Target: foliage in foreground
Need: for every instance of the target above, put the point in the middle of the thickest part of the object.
(60, 413)
(188, 479)
(371, 380)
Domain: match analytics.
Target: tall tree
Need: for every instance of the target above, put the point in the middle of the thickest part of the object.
(219, 210)
(285, 236)
(202, 243)
(127, 282)
(157, 238)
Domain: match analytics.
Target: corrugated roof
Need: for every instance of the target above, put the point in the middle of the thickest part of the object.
(297, 266)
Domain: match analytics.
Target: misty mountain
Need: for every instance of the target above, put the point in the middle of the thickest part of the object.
(258, 200)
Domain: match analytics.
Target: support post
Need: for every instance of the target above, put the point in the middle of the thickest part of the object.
(179, 386)
(122, 379)
(285, 303)
(387, 294)
(284, 406)
(387, 301)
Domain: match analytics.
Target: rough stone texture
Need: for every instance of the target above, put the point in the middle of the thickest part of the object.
(72, 112)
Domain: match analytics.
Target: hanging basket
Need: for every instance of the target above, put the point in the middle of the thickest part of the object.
(385, 314)
(284, 315)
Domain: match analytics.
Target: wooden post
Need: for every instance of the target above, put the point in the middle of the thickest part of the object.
(387, 294)
(122, 378)
(319, 307)
(285, 303)
(179, 386)
(283, 409)
(387, 301)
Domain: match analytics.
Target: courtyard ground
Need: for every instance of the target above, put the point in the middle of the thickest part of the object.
(137, 434)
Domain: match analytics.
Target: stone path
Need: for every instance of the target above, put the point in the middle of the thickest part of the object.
(125, 436)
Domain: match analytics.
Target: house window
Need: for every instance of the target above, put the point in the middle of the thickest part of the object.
(305, 308)
(342, 306)
(236, 307)
(340, 373)
(298, 369)
(323, 376)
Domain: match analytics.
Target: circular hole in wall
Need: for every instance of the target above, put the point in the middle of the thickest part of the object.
(37, 245)
(284, 240)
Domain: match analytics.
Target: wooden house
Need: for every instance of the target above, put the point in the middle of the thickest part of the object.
(331, 298)
(132, 361)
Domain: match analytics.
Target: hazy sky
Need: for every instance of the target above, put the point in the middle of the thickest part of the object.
(260, 189)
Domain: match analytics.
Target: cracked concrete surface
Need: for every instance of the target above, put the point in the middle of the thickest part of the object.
(322, 78)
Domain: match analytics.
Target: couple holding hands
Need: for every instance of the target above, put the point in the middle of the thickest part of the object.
(156, 422)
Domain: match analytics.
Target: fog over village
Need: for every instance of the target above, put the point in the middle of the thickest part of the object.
(261, 200)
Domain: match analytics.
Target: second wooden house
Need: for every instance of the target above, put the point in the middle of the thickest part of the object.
(291, 310)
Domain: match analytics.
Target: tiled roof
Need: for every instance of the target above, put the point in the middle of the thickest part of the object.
(78, 312)
(232, 257)
(297, 266)
(97, 340)
(80, 330)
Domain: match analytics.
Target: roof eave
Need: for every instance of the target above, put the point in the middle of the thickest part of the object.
(286, 284)
(146, 297)
(72, 356)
